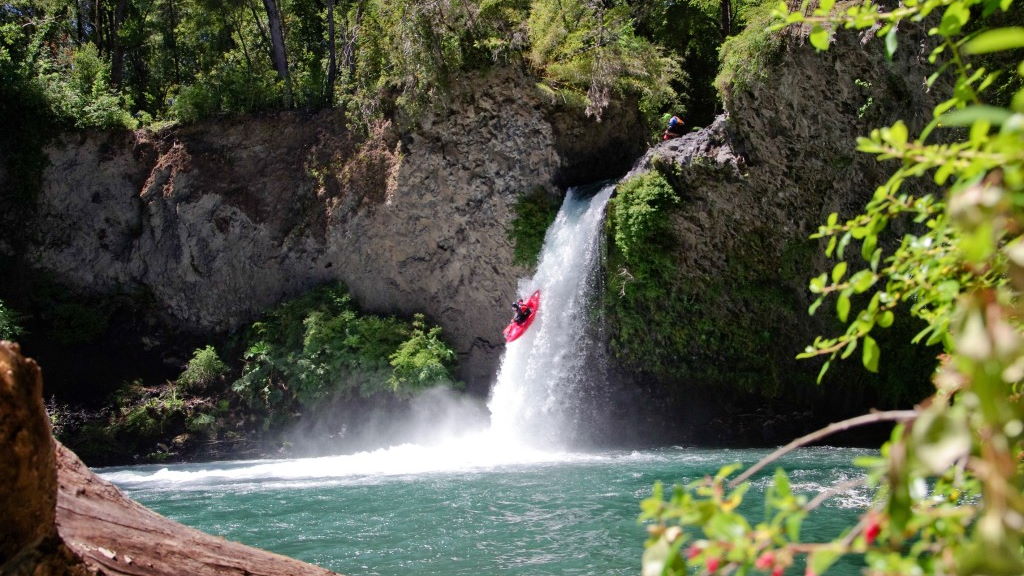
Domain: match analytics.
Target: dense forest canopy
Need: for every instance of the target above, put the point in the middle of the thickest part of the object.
(110, 63)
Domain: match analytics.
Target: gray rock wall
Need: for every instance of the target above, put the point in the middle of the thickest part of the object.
(219, 221)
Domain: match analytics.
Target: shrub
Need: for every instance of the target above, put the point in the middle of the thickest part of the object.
(421, 361)
(747, 57)
(586, 51)
(231, 88)
(80, 93)
(9, 328)
(319, 345)
(639, 215)
(534, 213)
(204, 367)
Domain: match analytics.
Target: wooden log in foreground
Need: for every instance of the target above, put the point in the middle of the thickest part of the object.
(94, 528)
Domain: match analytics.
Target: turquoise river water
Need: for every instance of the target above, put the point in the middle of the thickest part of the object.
(556, 515)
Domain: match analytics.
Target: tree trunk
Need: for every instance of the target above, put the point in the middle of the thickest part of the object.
(80, 16)
(332, 50)
(725, 16)
(98, 23)
(116, 49)
(277, 50)
(350, 46)
(172, 40)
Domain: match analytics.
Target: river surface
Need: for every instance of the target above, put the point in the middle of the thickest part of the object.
(397, 511)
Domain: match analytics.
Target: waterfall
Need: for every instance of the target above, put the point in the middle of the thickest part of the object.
(539, 403)
(543, 374)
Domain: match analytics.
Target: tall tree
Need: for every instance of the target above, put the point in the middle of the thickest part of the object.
(278, 54)
(332, 61)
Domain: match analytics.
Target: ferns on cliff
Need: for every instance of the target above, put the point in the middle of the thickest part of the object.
(319, 346)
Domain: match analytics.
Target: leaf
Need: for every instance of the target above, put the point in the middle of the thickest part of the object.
(967, 116)
(817, 284)
(851, 345)
(821, 560)
(891, 43)
(898, 133)
(868, 248)
(843, 307)
(953, 19)
(819, 38)
(862, 281)
(821, 374)
(870, 354)
(996, 40)
(814, 307)
(838, 272)
(885, 319)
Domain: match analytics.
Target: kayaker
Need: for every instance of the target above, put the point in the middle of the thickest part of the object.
(522, 311)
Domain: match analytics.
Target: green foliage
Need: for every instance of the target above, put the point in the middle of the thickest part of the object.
(9, 328)
(27, 126)
(318, 345)
(950, 478)
(411, 50)
(641, 263)
(422, 361)
(229, 89)
(586, 52)
(112, 65)
(639, 214)
(80, 91)
(143, 416)
(203, 369)
(747, 58)
(534, 213)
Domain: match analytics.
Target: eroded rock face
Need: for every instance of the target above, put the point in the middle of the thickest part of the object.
(214, 223)
(753, 187)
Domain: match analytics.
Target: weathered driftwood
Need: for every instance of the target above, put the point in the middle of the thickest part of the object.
(60, 518)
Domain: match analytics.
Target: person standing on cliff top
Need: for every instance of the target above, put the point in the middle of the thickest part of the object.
(673, 129)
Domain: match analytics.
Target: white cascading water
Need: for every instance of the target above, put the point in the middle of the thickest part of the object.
(534, 410)
(541, 374)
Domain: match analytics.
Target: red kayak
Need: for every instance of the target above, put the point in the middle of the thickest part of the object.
(513, 330)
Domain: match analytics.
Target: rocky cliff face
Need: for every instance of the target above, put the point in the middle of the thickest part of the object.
(753, 187)
(209, 225)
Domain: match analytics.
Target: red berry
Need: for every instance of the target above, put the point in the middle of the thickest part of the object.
(778, 571)
(712, 564)
(765, 561)
(871, 530)
(692, 552)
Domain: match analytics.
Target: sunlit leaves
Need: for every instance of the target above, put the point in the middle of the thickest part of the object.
(996, 40)
(585, 52)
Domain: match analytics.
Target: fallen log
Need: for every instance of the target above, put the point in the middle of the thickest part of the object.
(60, 518)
